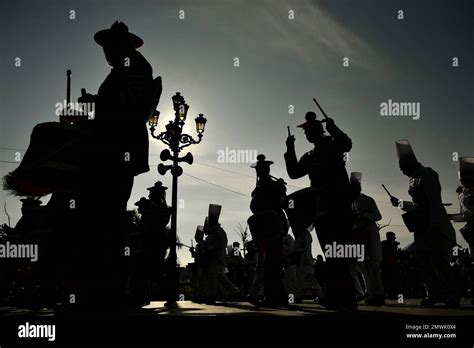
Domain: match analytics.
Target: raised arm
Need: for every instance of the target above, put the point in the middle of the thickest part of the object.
(294, 168)
(340, 139)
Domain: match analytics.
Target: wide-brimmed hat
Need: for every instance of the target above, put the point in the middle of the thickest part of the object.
(261, 162)
(158, 186)
(311, 121)
(118, 32)
(142, 202)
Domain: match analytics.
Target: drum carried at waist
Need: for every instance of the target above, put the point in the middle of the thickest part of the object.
(51, 162)
(267, 224)
(303, 207)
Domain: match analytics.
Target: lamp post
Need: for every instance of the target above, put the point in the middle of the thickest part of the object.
(176, 140)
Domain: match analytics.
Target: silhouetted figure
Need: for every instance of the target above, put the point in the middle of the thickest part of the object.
(305, 267)
(466, 201)
(290, 260)
(251, 261)
(156, 237)
(268, 226)
(366, 233)
(202, 263)
(31, 214)
(325, 167)
(137, 279)
(215, 246)
(31, 281)
(117, 153)
(237, 267)
(391, 278)
(434, 235)
(321, 271)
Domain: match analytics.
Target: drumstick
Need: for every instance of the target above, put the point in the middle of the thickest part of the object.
(387, 191)
(289, 133)
(320, 108)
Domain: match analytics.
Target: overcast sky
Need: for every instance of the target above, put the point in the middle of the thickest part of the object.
(282, 62)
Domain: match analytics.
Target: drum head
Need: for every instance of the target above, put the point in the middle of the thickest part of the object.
(51, 162)
(302, 208)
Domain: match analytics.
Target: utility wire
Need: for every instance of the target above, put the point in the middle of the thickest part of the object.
(210, 183)
(221, 187)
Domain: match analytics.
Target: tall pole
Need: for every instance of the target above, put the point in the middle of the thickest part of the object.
(68, 90)
(176, 140)
(174, 228)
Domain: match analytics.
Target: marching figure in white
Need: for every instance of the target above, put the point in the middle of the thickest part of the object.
(426, 217)
(366, 213)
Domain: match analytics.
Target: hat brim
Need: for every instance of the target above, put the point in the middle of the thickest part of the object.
(106, 36)
(260, 163)
(139, 203)
(163, 188)
(311, 123)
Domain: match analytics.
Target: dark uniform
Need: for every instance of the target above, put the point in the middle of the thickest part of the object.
(434, 235)
(267, 204)
(391, 278)
(157, 238)
(325, 166)
(117, 152)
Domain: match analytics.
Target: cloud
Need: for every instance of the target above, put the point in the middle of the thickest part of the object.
(314, 37)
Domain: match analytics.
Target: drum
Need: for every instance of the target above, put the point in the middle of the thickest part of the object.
(265, 225)
(303, 207)
(51, 162)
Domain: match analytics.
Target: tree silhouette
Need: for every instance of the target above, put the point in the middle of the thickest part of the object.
(244, 234)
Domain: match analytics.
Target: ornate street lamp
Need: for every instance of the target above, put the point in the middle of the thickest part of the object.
(200, 124)
(176, 140)
(153, 120)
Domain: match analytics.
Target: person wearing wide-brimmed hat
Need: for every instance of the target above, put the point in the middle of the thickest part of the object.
(161, 210)
(434, 234)
(268, 226)
(157, 192)
(118, 150)
(31, 215)
(158, 237)
(123, 102)
(325, 166)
